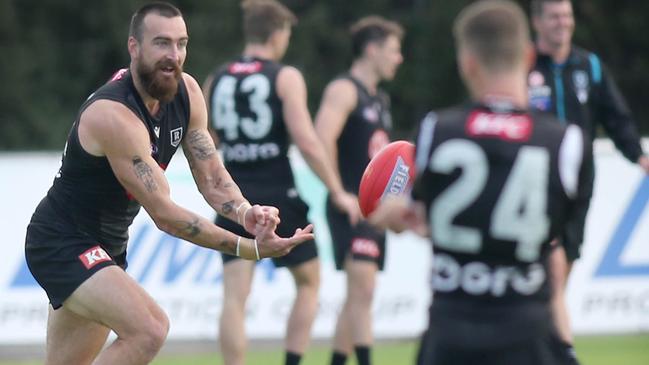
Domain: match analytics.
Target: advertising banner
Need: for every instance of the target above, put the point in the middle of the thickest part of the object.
(608, 290)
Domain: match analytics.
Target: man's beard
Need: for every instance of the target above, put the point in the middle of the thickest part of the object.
(158, 86)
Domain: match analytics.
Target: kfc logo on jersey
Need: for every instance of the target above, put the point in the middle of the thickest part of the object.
(119, 74)
(244, 67)
(176, 136)
(94, 256)
(366, 247)
(504, 126)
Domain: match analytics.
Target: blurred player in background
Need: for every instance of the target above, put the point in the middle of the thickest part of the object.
(353, 122)
(258, 106)
(124, 137)
(497, 183)
(573, 84)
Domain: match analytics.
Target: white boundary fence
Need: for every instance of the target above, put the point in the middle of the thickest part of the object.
(608, 291)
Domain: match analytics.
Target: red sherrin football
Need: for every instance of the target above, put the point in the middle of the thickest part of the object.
(390, 172)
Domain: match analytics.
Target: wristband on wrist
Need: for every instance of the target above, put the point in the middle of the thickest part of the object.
(238, 246)
(241, 218)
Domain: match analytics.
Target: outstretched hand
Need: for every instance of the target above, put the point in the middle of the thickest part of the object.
(272, 245)
(348, 204)
(399, 214)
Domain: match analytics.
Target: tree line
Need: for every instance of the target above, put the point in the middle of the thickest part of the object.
(55, 53)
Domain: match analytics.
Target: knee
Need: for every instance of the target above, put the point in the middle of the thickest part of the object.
(153, 336)
(307, 277)
(362, 293)
(308, 283)
(235, 299)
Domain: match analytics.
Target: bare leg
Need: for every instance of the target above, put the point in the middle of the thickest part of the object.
(361, 279)
(560, 269)
(343, 336)
(72, 339)
(305, 306)
(237, 279)
(108, 299)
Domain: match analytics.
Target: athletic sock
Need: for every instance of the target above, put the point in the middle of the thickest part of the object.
(292, 358)
(362, 355)
(338, 358)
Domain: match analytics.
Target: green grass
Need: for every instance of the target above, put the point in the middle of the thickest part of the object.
(592, 350)
(609, 350)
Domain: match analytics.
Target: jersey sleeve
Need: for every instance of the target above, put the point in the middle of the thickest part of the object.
(616, 118)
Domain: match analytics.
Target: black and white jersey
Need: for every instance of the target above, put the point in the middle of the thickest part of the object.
(366, 131)
(86, 192)
(499, 184)
(246, 114)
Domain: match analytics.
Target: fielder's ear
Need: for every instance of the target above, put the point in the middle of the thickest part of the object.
(371, 48)
(466, 62)
(132, 45)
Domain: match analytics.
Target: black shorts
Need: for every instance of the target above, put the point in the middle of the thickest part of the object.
(60, 258)
(363, 241)
(293, 214)
(541, 350)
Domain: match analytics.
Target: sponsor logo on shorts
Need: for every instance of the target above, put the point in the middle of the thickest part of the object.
(94, 256)
(366, 247)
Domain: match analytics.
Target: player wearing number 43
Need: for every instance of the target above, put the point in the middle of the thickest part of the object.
(257, 107)
(495, 184)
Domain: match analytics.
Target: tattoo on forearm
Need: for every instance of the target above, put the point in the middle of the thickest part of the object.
(144, 173)
(200, 146)
(228, 207)
(226, 246)
(189, 229)
(218, 183)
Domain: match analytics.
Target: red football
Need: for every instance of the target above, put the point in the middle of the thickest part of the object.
(390, 172)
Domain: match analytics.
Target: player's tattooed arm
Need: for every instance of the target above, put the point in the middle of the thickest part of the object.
(201, 147)
(144, 173)
(188, 229)
(227, 208)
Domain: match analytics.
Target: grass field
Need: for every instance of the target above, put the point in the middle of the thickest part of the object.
(595, 350)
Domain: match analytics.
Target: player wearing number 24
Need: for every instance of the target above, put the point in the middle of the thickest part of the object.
(257, 107)
(495, 183)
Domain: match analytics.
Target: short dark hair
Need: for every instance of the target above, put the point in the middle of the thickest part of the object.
(371, 29)
(536, 6)
(495, 31)
(161, 8)
(263, 17)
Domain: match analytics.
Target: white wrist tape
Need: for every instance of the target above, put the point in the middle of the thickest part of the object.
(256, 250)
(242, 218)
(238, 245)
